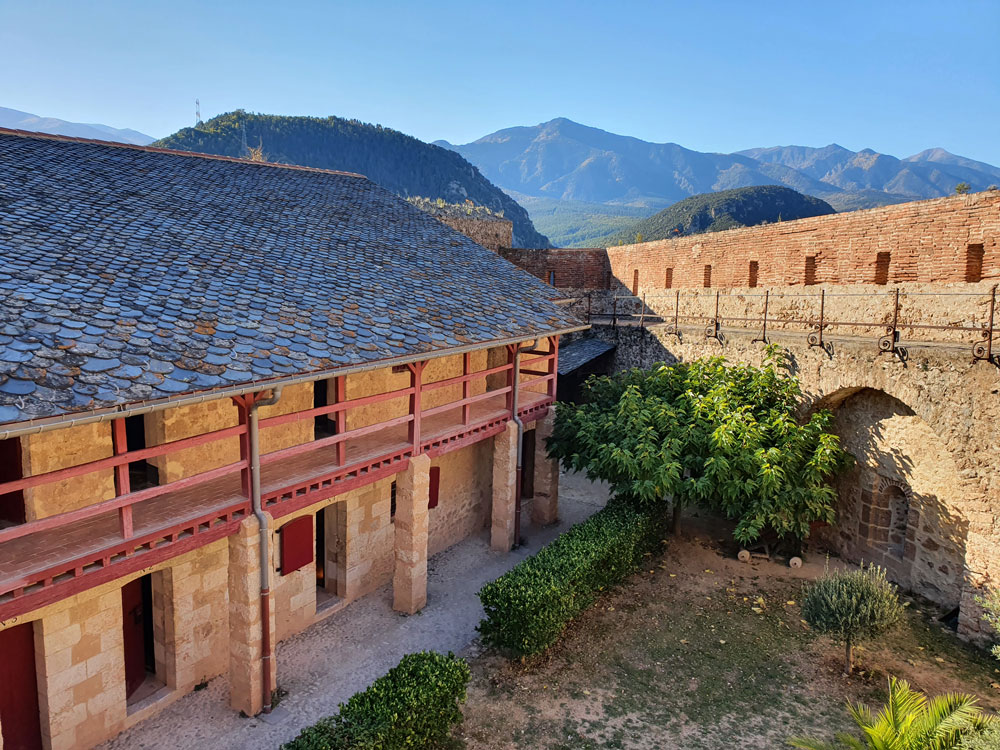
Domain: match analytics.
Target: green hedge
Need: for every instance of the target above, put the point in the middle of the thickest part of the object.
(528, 607)
(414, 705)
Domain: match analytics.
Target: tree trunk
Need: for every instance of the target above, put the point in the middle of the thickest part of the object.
(848, 657)
(675, 523)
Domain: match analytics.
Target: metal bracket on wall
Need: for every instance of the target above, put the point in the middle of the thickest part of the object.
(816, 337)
(674, 329)
(714, 328)
(890, 342)
(983, 350)
(763, 334)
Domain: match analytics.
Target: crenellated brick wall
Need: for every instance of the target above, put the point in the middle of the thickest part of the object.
(947, 240)
(565, 268)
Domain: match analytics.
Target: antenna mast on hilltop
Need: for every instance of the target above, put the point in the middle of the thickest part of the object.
(197, 112)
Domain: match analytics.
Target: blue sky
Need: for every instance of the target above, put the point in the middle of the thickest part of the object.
(714, 76)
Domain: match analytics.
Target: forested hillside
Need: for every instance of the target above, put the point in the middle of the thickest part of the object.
(396, 161)
(729, 209)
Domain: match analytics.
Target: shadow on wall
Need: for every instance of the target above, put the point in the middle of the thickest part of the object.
(900, 505)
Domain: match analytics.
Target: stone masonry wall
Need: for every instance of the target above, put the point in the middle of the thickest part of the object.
(928, 424)
(494, 234)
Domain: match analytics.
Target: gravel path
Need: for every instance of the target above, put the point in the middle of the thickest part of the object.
(330, 661)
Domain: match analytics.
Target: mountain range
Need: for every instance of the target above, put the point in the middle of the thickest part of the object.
(398, 162)
(565, 161)
(17, 120)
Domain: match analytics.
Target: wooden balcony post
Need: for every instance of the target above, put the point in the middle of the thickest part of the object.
(416, 376)
(512, 376)
(123, 484)
(340, 396)
(466, 387)
(553, 366)
(242, 407)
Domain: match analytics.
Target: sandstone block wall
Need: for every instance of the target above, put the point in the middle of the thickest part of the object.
(492, 233)
(464, 501)
(58, 449)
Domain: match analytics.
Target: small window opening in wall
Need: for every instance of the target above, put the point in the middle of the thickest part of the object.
(392, 501)
(552, 278)
(882, 261)
(668, 278)
(324, 425)
(974, 263)
(810, 270)
(707, 280)
(899, 520)
(754, 267)
(434, 487)
(11, 503)
(141, 473)
(635, 283)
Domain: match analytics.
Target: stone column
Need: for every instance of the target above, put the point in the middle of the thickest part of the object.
(545, 506)
(409, 581)
(504, 489)
(246, 675)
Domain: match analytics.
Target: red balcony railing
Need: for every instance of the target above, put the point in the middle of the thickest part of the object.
(49, 558)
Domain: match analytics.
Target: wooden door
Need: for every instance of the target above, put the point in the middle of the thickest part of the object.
(19, 689)
(134, 631)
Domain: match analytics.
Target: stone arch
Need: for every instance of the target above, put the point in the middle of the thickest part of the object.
(903, 505)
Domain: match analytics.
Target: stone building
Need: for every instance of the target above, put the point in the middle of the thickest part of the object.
(235, 397)
(892, 320)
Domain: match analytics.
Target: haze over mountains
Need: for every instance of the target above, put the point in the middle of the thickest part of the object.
(17, 120)
(562, 160)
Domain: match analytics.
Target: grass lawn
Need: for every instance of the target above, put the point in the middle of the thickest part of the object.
(701, 651)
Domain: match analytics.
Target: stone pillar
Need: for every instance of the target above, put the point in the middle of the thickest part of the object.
(409, 581)
(545, 506)
(246, 676)
(504, 489)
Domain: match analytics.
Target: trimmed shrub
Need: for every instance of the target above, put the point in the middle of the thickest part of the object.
(528, 607)
(414, 705)
(988, 739)
(852, 606)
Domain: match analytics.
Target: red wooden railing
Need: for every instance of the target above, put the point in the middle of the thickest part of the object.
(133, 551)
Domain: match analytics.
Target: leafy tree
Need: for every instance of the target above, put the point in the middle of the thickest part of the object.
(962, 188)
(909, 721)
(852, 606)
(724, 437)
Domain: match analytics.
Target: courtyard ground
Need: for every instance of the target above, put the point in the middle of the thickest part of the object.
(327, 663)
(701, 652)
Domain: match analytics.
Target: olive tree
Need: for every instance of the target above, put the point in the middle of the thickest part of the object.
(852, 606)
(721, 436)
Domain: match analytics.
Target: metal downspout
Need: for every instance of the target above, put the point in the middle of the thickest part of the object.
(267, 651)
(518, 482)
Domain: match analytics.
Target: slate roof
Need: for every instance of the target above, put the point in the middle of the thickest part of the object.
(130, 274)
(577, 353)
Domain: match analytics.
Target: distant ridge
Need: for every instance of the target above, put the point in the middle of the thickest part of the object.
(17, 120)
(398, 162)
(586, 168)
(728, 209)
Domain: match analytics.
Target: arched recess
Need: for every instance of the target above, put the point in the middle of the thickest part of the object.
(902, 505)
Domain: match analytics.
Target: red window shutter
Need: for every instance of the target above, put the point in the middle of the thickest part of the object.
(435, 487)
(297, 548)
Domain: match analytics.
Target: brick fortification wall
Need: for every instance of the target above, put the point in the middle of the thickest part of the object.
(565, 268)
(945, 240)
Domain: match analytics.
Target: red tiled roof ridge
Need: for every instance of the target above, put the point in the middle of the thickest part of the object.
(172, 152)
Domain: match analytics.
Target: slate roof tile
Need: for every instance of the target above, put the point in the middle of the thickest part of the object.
(135, 273)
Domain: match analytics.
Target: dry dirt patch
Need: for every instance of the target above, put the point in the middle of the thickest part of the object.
(701, 651)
